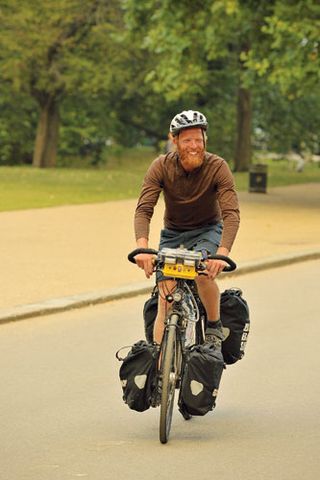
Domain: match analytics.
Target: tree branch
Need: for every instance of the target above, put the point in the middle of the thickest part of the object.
(84, 20)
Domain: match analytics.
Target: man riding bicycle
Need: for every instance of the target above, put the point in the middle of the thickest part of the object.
(201, 213)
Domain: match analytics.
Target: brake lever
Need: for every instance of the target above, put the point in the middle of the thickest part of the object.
(201, 269)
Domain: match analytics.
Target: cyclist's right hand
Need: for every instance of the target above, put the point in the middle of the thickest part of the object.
(146, 262)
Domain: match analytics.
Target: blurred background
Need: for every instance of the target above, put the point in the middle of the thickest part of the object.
(88, 88)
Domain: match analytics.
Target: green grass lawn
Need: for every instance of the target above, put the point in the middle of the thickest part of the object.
(282, 173)
(27, 187)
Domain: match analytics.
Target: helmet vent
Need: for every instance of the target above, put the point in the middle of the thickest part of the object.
(188, 119)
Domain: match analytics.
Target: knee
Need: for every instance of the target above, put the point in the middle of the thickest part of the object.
(205, 284)
(203, 281)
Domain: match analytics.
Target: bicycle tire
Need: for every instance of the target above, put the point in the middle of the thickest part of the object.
(169, 378)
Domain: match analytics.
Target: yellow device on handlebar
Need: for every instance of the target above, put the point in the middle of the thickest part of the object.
(180, 262)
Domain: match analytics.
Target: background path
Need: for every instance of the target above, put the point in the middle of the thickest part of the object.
(57, 252)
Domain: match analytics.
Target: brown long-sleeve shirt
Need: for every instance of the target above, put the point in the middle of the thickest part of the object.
(194, 199)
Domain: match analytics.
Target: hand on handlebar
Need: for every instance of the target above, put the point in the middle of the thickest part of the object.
(147, 258)
(214, 267)
(145, 261)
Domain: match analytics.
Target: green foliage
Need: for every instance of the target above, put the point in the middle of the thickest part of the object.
(121, 69)
(283, 125)
(51, 50)
(51, 47)
(289, 56)
(201, 50)
(18, 117)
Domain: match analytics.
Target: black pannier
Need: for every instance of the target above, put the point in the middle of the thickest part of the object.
(234, 314)
(201, 378)
(138, 375)
(149, 314)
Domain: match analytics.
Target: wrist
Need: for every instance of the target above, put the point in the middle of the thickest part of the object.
(223, 251)
(142, 243)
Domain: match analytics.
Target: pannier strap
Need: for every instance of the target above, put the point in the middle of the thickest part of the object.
(120, 349)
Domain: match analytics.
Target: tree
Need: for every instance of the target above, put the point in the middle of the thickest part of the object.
(129, 112)
(289, 56)
(17, 122)
(50, 49)
(122, 69)
(287, 125)
(193, 43)
(288, 59)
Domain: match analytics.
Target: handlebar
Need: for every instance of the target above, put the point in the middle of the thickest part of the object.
(137, 251)
(231, 264)
(230, 268)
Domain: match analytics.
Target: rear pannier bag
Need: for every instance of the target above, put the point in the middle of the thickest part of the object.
(201, 378)
(234, 314)
(138, 375)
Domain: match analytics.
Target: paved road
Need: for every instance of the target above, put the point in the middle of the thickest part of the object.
(62, 416)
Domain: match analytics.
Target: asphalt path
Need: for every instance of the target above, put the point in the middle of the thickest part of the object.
(62, 416)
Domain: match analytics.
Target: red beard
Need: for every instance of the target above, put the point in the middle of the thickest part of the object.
(190, 162)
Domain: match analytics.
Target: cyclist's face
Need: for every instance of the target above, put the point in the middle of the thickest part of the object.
(190, 146)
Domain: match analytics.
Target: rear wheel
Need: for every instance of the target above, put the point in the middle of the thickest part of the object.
(170, 374)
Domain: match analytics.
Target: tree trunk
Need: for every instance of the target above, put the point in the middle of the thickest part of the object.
(242, 157)
(45, 151)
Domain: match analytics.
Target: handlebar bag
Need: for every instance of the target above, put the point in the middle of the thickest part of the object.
(201, 379)
(234, 314)
(138, 375)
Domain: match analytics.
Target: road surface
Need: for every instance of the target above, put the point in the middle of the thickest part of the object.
(62, 416)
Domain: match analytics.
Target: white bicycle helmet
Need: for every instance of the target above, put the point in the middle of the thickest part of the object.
(188, 119)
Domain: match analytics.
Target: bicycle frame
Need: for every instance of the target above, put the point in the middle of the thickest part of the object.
(190, 310)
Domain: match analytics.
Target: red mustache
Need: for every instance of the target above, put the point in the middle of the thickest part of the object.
(193, 153)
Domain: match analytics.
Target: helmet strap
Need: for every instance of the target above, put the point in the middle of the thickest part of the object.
(204, 138)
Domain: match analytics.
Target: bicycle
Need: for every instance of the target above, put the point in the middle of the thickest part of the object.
(184, 324)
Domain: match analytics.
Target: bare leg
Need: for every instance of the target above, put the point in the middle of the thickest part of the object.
(210, 297)
(165, 287)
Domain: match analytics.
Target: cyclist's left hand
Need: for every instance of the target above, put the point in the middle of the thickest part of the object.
(214, 267)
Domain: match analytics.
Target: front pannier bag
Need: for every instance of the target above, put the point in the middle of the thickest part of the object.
(201, 378)
(149, 314)
(138, 375)
(234, 314)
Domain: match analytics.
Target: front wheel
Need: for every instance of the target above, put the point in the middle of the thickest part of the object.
(169, 371)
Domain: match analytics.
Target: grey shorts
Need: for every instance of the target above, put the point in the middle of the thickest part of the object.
(205, 238)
